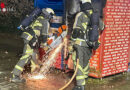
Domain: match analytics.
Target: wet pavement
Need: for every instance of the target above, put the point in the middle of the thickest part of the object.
(11, 49)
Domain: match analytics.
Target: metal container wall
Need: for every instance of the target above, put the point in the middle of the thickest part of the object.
(114, 53)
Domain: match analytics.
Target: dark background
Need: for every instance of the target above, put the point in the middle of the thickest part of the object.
(10, 20)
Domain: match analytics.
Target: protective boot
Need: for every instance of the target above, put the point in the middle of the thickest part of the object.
(17, 79)
(81, 87)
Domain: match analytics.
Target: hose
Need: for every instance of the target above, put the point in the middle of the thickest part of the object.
(66, 85)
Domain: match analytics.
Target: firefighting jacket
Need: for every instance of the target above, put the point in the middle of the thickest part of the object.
(38, 28)
(81, 29)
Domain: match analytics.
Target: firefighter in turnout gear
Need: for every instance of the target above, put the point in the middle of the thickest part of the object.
(81, 50)
(37, 29)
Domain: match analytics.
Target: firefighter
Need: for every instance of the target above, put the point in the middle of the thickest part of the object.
(79, 47)
(38, 28)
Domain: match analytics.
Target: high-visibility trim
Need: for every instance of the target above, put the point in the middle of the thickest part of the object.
(76, 20)
(37, 21)
(40, 17)
(80, 68)
(80, 39)
(74, 56)
(30, 36)
(26, 61)
(19, 68)
(80, 77)
(86, 72)
(73, 39)
(32, 62)
(85, 16)
(90, 11)
(84, 25)
(86, 67)
(83, 82)
(37, 32)
(13, 75)
(85, 76)
(29, 51)
(37, 24)
(23, 57)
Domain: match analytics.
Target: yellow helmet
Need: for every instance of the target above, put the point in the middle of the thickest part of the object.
(50, 11)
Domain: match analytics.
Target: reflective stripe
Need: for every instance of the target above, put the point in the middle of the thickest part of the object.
(19, 68)
(76, 20)
(40, 17)
(23, 57)
(32, 62)
(79, 77)
(83, 82)
(37, 32)
(29, 51)
(86, 67)
(90, 11)
(80, 68)
(29, 36)
(36, 24)
(86, 16)
(86, 72)
(80, 39)
(74, 56)
(85, 76)
(37, 21)
(26, 61)
(84, 25)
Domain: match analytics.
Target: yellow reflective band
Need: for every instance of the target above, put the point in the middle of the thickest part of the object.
(83, 82)
(84, 25)
(85, 76)
(23, 57)
(40, 17)
(79, 77)
(73, 39)
(30, 36)
(80, 39)
(32, 62)
(19, 68)
(37, 24)
(86, 72)
(74, 56)
(13, 75)
(76, 20)
(80, 68)
(86, 67)
(90, 11)
(37, 21)
(29, 51)
(26, 61)
(37, 32)
(86, 16)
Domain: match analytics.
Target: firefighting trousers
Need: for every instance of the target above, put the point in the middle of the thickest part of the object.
(26, 58)
(83, 54)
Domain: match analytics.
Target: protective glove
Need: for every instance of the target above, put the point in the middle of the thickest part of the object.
(93, 45)
(96, 45)
(34, 67)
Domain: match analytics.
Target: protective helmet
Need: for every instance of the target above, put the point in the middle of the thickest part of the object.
(84, 1)
(50, 11)
(86, 5)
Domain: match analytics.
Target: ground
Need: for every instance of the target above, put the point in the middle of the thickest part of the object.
(10, 51)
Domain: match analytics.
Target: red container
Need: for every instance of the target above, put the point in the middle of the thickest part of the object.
(114, 53)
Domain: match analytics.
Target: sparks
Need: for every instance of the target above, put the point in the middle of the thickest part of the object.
(39, 77)
(48, 63)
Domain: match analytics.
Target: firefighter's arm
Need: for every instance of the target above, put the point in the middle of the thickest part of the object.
(37, 25)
